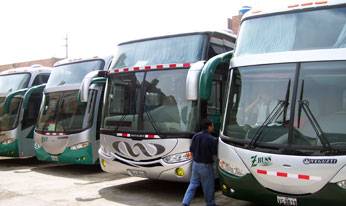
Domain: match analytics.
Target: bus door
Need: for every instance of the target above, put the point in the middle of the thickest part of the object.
(216, 99)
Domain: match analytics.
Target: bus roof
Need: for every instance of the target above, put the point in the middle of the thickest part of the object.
(107, 60)
(227, 33)
(33, 69)
(291, 7)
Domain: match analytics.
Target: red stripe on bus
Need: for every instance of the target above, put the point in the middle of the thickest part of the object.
(159, 66)
(307, 4)
(263, 172)
(187, 65)
(281, 174)
(303, 177)
(321, 2)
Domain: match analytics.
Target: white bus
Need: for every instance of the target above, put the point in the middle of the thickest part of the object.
(20, 100)
(67, 129)
(157, 92)
(283, 141)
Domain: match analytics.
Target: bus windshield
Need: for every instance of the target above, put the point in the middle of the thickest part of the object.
(73, 73)
(9, 120)
(13, 82)
(179, 49)
(320, 106)
(306, 30)
(153, 102)
(62, 112)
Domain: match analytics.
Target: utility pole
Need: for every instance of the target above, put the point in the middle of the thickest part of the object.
(66, 46)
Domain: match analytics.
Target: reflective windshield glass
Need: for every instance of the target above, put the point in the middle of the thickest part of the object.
(62, 112)
(152, 102)
(73, 73)
(319, 29)
(322, 89)
(12, 82)
(179, 49)
(9, 121)
(259, 100)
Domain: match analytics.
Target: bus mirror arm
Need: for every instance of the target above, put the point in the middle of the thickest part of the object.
(10, 96)
(192, 80)
(29, 92)
(94, 77)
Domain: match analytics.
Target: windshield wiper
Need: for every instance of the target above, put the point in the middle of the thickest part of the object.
(152, 121)
(304, 105)
(276, 112)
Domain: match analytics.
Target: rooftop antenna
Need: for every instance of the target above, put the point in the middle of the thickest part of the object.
(66, 46)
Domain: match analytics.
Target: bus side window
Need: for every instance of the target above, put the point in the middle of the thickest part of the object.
(31, 113)
(40, 79)
(215, 50)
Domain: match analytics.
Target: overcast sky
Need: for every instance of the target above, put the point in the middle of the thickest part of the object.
(36, 29)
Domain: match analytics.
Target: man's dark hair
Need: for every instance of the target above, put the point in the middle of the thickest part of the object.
(205, 124)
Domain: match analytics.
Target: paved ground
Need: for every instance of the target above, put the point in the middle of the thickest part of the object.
(32, 183)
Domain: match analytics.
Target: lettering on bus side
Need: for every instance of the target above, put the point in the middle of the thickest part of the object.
(308, 161)
(260, 161)
(44, 139)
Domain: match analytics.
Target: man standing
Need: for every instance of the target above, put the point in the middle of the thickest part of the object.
(203, 148)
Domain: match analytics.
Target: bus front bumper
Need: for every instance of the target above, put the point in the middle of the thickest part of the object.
(9, 150)
(80, 156)
(247, 188)
(179, 172)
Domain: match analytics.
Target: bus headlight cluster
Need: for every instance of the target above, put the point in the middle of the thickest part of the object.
(79, 146)
(342, 184)
(8, 141)
(230, 168)
(175, 158)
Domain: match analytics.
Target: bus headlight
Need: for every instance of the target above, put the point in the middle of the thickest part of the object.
(79, 146)
(175, 158)
(8, 141)
(342, 184)
(232, 169)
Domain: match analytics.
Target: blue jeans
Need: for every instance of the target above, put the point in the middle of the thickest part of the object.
(201, 174)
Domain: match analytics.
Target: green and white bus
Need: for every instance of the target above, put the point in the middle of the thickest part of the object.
(20, 100)
(157, 90)
(67, 129)
(283, 141)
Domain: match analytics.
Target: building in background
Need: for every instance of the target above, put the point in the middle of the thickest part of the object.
(234, 22)
(44, 62)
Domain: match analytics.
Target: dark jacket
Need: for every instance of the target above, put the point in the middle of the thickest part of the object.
(203, 147)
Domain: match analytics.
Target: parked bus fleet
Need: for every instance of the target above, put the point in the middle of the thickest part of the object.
(277, 98)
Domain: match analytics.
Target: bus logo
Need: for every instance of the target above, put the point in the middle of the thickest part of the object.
(260, 161)
(133, 152)
(308, 161)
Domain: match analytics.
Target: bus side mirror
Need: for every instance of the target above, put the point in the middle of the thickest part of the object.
(10, 96)
(192, 80)
(91, 78)
(206, 79)
(29, 92)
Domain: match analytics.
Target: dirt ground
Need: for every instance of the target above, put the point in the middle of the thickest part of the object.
(33, 183)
